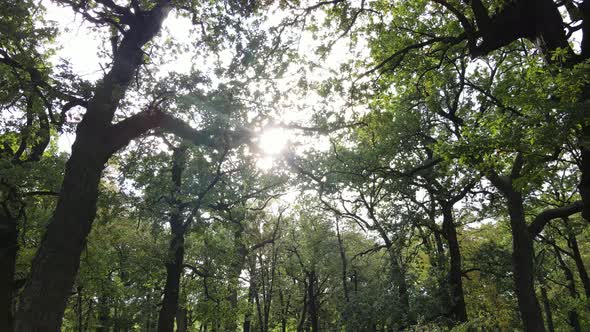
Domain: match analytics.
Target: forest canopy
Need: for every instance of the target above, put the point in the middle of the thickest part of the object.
(243, 165)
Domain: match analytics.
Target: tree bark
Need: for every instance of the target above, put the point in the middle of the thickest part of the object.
(458, 309)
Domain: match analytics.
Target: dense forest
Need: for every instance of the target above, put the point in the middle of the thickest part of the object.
(294, 165)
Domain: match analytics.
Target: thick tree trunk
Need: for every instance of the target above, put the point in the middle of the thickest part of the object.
(55, 266)
(458, 310)
(522, 250)
(181, 320)
(8, 250)
(522, 264)
(172, 287)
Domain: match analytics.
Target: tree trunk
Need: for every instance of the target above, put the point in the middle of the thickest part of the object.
(547, 308)
(304, 310)
(573, 244)
(8, 250)
(584, 185)
(55, 266)
(522, 264)
(573, 319)
(458, 310)
(248, 314)
(312, 301)
(172, 287)
(79, 312)
(181, 320)
(399, 278)
(174, 266)
(343, 260)
(522, 251)
(236, 269)
(103, 314)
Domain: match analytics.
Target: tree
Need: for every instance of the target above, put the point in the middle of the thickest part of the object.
(97, 139)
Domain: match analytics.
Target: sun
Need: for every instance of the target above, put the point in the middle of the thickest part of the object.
(273, 141)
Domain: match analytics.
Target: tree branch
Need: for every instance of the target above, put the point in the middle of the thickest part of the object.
(547, 215)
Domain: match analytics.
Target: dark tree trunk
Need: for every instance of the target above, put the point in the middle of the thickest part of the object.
(573, 319)
(103, 314)
(398, 277)
(181, 320)
(174, 266)
(8, 250)
(248, 314)
(439, 262)
(458, 309)
(89, 313)
(304, 310)
(79, 311)
(584, 185)
(312, 301)
(236, 269)
(56, 263)
(344, 262)
(522, 264)
(547, 308)
(573, 244)
(255, 286)
(522, 251)
(55, 266)
(172, 287)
